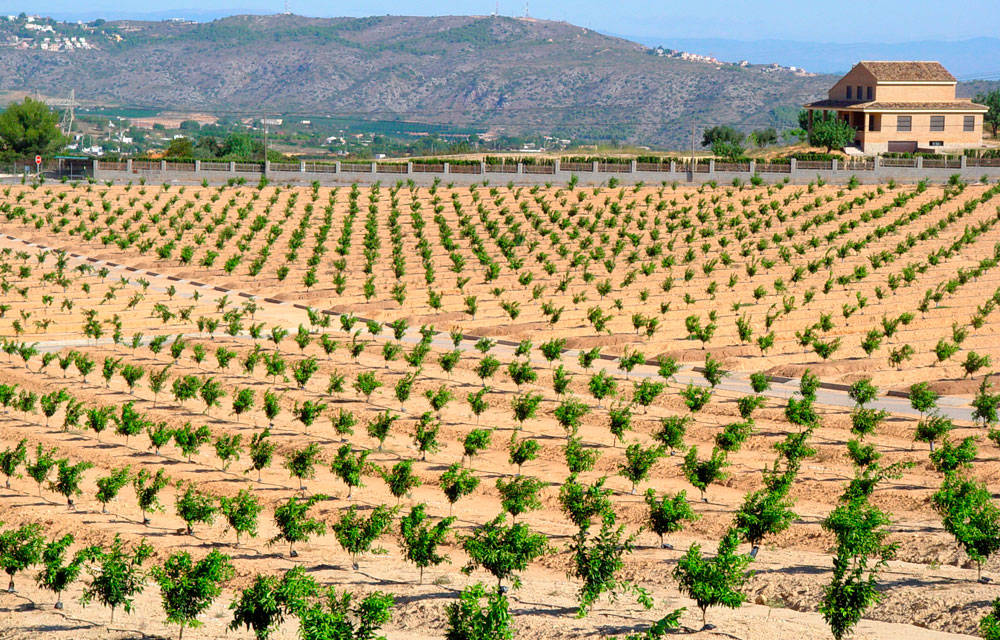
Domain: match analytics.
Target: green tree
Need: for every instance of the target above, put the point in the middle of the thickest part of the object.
(241, 513)
(420, 540)
(117, 576)
(11, 459)
(457, 482)
(147, 488)
(639, 461)
(357, 534)
(195, 506)
(263, 606)
(19, 549)
(350, 467)
(716, 581)
(989, 625)
(669, 513)
(468, 619)
(188, 588)
(832, 133)
(581, 503)
(503, 550)
(261, 452)
(520, 495)
(597, 560)
(702, 473)
(58, 574)
(293, 523)
(522, 451)
(720, 133)
(335, 617)
(991, 100)
(475, 441)
(400, 479)
(68, 478)
(30, 128)
(43, 464)
(968, 514)
(301, 463)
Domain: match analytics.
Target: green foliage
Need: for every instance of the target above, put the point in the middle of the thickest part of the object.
(19, 549)
(968, 514)
(669, 513)
(671, 432)
(832, 133)
(457, 482)
(380, 426)
(520, 494)
(356, 534)
(68, 478)
(11, 459)
(989, 625)
(293, 523)
(109, 486)
(190, 440)
(579, 458)
(695, 398)
(503, 550)
(301, 463)
(702, 473)
(261, 451)
(597, 561)
(716, 581)
(263, 606)
(340, 619)
(147, 488)
(30, 128)
(952, 457)
(468, 619)
(241, 513)
(638, 462)
(475, 441)
(581, 503)
(188, 588)
(116, 576)
(420, 540)
(195, 506)
(57, 574)
(400, 479)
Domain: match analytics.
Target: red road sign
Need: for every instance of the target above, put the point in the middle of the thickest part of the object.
(38, 160)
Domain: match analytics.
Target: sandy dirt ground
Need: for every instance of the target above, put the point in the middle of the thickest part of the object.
(929, 590)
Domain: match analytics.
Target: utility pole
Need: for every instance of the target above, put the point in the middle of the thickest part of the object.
(692, 149)
(264, 121)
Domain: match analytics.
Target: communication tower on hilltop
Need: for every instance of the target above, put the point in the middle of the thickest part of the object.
(288, 8)
(526, 9)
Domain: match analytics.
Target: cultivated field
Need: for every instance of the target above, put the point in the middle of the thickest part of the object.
(348, 323)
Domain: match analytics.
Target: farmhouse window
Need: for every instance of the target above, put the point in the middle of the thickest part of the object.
(969, 123)
(849, 92)
(904, 123)
(869, 94)
(876, 122)
(859, 92)
(937, 123)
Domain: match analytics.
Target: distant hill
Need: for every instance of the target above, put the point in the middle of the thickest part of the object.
(518, 73)
(975, 58)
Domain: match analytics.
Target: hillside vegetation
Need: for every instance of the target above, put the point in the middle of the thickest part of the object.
(518, 73)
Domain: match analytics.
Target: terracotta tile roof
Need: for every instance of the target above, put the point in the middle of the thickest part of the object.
(848, 105)
(907, 71)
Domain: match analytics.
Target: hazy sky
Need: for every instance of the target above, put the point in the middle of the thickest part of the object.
(817, 21)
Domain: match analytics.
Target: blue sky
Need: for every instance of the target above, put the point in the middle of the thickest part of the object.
(815, 21)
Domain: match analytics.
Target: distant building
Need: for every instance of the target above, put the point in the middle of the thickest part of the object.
(903, 107)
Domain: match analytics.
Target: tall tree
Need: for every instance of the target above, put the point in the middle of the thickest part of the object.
(30, 128)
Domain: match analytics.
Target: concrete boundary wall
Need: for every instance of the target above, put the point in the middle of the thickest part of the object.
(337, 174)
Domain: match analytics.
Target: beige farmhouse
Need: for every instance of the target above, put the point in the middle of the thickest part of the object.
(903, 106)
